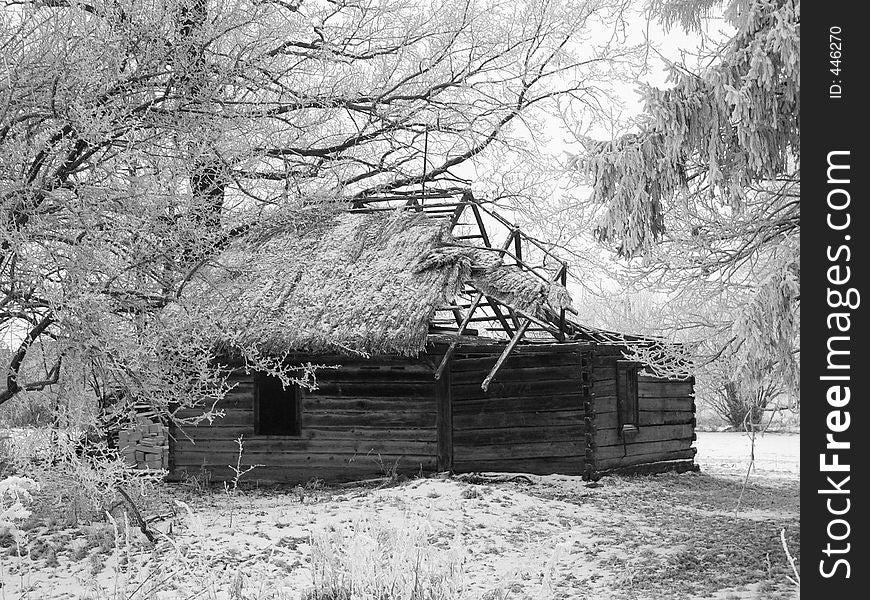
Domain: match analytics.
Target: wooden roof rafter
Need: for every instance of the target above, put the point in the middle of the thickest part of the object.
(476, 305)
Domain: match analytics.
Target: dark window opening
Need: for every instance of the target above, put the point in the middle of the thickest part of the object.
(277, 407)
(626, 394)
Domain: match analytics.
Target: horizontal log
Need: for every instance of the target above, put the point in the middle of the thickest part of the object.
(518, 404)
(654, 467)
(525, 349)
(517, 435)
(603, 373)
(539, 466)
(664, 417)
(292, 460)
(604, 388)
(284, 445)
(347, 433)
(608, 404)
(603, 463)
(644, 448)
(511, 389)
(362, 389)
(339, 403)
(661, 389)
(462, 363)
(517, 451)
(518, 419)
(298, 474)
(345, 375)
(385, 419)
(651, 433)
(514, 373)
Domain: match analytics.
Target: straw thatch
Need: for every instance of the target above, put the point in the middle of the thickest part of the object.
(356, 283)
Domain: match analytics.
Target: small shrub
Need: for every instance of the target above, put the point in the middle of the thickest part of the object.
(366, 561)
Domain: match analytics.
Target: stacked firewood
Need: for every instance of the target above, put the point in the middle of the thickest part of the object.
(144, 445)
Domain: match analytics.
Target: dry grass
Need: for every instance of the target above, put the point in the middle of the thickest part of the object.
(667, 537)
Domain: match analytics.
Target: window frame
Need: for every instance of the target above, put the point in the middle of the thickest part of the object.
(627, 401)
(293, 391)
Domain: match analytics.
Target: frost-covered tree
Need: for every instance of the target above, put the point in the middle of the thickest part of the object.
(139, 137)
(702, 198)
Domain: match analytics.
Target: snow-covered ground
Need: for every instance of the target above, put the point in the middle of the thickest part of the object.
(776, 454)
(671, 536)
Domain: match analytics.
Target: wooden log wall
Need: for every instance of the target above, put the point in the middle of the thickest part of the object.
(666, 423)
(363, 419)
(532, 418)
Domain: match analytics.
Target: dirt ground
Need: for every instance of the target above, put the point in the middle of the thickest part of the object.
(669, 536)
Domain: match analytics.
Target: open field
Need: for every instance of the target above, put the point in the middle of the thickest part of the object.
(652, 537)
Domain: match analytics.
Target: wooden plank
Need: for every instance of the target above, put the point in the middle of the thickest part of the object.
(514, 389)
(299, 446)
(348, 418)
(660, 389)
(665, 417)
(365, 389)
(518, 360)
(340, 403)
(602, 463)
(518, 435)
(686, 404)
(662, 447)
(519, 373)
(325, 433)
(493, 406)
(465, 422)
(299, 459)
(603, 373)
(377, 375)
(300, 474)
(539, 466)
(604, 388)
(514, 451)
(651, 433)
(515, 339)
(444, 420)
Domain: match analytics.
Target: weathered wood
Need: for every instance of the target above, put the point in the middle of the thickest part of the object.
(665, 417)
(534, 403)
(230, 434)
(512, 372)
(448, 354)
(660, 447)
(386, 389)
(572, 465)
(636, 459)
(518, 435)
(340, 403)
(444, 421)
(608, 404)
(515, 389)
(609, 437)
(280, 444)
(298, 474)
(518, 360)
(663, 389)
(653, 468)
(524, 450)
(386, 419)
(518, 419)
(186, 457)
(499, 363)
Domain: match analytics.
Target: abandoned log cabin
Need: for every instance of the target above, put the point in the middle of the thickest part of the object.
(455, 350)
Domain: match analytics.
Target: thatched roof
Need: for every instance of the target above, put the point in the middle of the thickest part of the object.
(367, 282)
